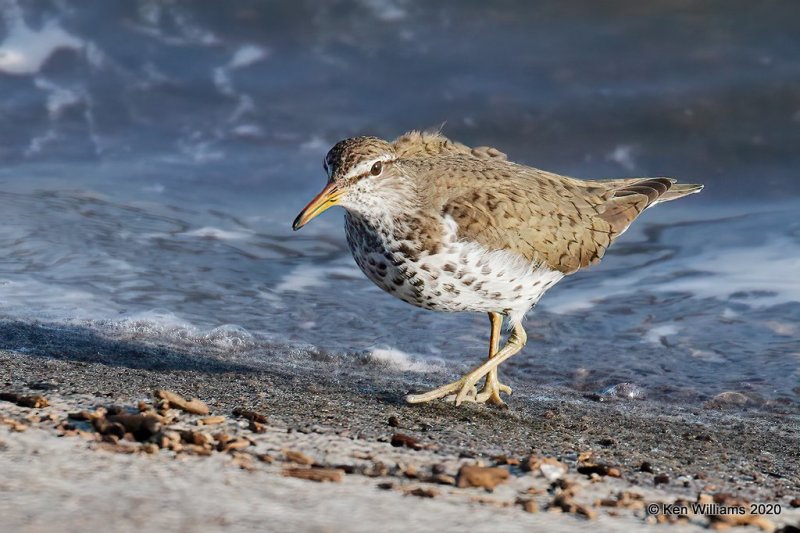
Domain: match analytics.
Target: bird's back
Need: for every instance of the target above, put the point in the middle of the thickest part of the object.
(560, 221)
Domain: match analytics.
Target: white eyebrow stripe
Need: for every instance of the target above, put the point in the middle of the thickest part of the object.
(364, 167)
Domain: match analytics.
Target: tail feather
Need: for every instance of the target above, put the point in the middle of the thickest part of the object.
(629, 197)
(679, 190)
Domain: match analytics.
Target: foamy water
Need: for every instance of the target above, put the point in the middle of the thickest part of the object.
(155, 155)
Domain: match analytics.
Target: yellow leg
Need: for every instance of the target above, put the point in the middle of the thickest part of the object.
(464, 388)
(492, 388)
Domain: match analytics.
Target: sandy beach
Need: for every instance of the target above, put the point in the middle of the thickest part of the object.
(569, 459)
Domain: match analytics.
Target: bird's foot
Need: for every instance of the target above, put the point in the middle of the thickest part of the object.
(449, 392)
(491, 390)
(464, 390)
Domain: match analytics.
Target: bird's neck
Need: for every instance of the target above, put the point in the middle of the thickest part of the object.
(382, 203)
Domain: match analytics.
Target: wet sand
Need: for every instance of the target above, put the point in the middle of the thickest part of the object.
(340, 419)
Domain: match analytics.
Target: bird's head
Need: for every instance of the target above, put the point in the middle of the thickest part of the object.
(355, 168)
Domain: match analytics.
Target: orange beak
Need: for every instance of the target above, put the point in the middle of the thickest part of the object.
(328, 197)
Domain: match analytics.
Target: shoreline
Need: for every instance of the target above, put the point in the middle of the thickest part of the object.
(666, 454)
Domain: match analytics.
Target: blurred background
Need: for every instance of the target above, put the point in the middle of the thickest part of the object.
(154, 153)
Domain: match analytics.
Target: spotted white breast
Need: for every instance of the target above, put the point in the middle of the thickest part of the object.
(460, 276)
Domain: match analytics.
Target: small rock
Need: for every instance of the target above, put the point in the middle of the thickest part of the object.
(552, 469)
(193, 449)
(660, 479)
(243, 461)
(141, 426)
(400, 440)
(19, 427)
(315, 474)
(115, 448)
(233, 444)
(530, 506)
(480, 476)
(377, 470)
(297, 457)
(422, 492)
(150, 447)
(250, 415)
(599, 469)
(442, 479)
(211, 420)
(105, 427)
(505, 460)
(257, 427)
(565, 503)
(795, 502)
(193, 406)
(410, 472)
(394, 422)
(33, 402)
(167, 439)
(84, 416)
(646, 467)
(195, 437)
(728, 399)
(625, 499)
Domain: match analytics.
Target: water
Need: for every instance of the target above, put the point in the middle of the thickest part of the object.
(155, 152)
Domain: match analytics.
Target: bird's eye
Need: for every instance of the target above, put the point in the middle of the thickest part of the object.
(376, 168)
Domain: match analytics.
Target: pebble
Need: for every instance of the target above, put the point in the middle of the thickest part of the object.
(142, 427)
(728, 399)
(233, 444)
(600, 469)
(400, 440)
(315, 474)
(423, 492)
(196, 437)
(257, 427)
(193, 406)
(33, 402)
(297, 457)
(565, 503)
(660, 479)
(250, 415)
(211, 420)
(530, 506)
(481, 476)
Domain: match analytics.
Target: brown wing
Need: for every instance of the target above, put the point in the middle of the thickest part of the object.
(563, 222)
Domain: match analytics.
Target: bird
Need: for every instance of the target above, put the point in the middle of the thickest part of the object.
(447, 227)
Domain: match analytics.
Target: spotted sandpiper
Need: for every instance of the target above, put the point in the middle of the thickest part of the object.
(447, 227)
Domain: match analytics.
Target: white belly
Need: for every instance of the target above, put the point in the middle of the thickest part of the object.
(462, 276)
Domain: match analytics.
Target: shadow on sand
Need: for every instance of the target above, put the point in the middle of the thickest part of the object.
(75, 343)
